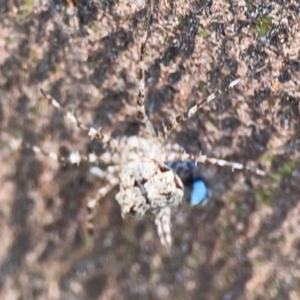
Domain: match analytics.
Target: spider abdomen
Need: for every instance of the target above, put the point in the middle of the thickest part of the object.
(147, 187)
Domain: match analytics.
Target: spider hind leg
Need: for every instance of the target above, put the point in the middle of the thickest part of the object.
(111, 182)
(163, 226)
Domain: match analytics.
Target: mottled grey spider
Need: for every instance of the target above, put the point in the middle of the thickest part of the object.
(140, 165)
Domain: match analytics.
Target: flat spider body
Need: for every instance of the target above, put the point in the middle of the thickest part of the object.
(153, 176)
(147, 187)
(150, 187)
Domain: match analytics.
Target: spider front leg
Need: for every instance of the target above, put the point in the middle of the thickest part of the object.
(91, 131)
(167, 129)
(141, 110)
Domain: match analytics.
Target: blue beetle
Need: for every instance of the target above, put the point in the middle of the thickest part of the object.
(195, 185)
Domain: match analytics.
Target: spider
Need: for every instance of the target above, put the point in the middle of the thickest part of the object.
(150, 172)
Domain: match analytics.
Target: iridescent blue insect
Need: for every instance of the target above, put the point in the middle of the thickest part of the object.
(197, 191)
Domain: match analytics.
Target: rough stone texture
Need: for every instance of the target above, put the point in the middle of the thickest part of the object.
(245, 243)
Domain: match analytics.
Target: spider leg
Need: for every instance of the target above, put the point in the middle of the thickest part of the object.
(163, 226)
(212, 160)
(91, 131)
(111, 181)
(110, 158)
(74, 157)
(167, 129)
(141, 110)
